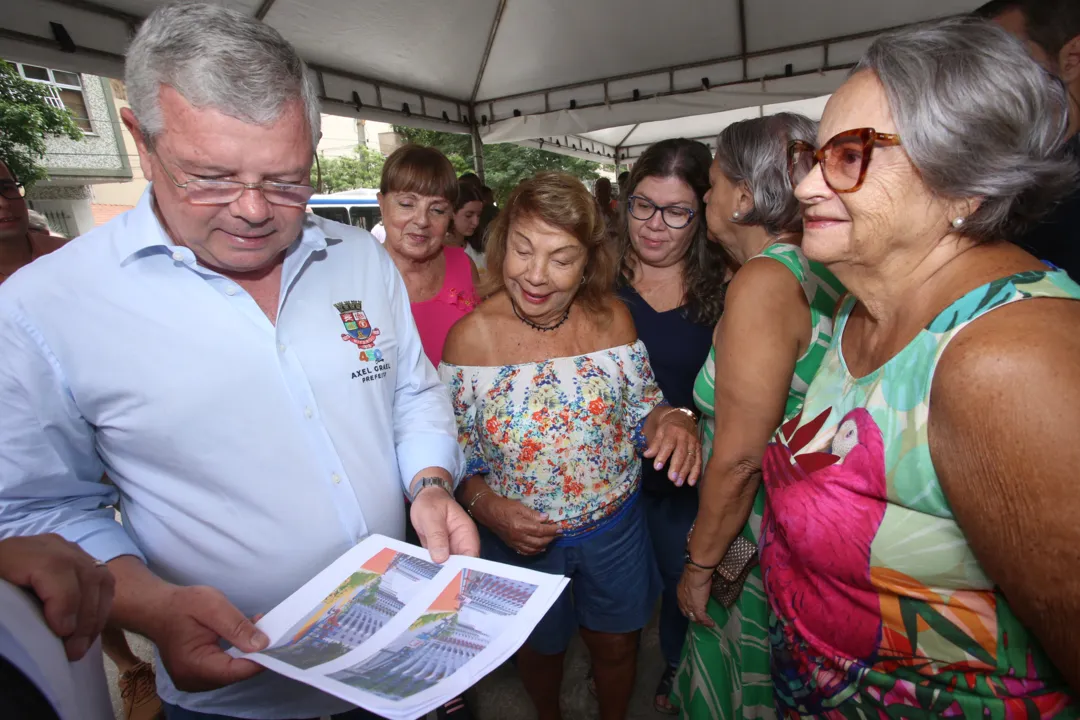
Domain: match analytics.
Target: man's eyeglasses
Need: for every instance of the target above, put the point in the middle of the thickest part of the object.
(12, 190)
(675, 217)
(843, 159)
(223, 192)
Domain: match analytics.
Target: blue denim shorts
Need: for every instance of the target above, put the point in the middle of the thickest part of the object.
(614, 581)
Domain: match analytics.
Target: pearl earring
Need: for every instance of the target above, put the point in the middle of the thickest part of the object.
(958, 222)
(736, 215)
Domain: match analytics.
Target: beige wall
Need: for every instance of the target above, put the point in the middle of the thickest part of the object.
(340, 135)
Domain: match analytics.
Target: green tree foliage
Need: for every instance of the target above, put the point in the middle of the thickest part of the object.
(505, 164)
(26, 119)
(362, 169)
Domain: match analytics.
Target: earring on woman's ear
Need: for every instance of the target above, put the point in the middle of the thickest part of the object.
(736, 215)
(958, 222)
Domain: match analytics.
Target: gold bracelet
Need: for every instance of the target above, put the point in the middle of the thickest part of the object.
(685, 411)
(476, 498)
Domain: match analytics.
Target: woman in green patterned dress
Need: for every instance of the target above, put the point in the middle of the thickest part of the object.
(919, 544)
(776, 325)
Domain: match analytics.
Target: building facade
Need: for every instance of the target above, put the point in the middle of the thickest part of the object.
(98, 177)
(76, 167)
(342, 135)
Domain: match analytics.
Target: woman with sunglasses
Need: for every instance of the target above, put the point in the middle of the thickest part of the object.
(920, 557)
(776, 324)
(672, 281)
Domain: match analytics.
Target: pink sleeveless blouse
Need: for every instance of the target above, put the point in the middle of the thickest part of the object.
(456, 299)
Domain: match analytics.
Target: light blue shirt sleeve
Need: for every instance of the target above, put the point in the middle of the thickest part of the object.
(50, 472)
(425, 431)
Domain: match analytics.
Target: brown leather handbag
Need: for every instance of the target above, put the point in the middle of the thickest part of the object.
(730, 574)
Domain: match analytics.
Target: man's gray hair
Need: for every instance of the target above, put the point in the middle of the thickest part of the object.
(219, 58)
(979, 119)
(754, 152)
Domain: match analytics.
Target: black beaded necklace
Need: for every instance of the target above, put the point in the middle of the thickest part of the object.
(534, 326)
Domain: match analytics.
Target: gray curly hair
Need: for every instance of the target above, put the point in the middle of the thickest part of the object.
(754, 152)
(979, 119)
(220, 58)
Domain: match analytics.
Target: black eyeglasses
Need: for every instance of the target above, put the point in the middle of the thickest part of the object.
(12, 190)
(675, 217)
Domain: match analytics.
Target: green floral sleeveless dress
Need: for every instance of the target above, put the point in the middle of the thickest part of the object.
(881, 609)
(725, 669)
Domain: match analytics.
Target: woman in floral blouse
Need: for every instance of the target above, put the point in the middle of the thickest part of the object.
(556, 403)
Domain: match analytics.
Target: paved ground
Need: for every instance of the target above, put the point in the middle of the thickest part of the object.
(500, 696)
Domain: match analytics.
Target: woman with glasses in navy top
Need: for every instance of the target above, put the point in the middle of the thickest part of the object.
(672, 280)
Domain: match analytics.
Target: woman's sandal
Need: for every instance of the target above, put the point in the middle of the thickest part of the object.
(663, 690)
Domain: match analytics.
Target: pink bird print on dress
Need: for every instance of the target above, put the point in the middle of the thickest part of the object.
(823, 512)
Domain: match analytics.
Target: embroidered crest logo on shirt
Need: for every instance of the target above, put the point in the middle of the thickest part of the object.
(358, 329)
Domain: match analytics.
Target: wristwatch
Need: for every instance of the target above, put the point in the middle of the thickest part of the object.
(432, 481)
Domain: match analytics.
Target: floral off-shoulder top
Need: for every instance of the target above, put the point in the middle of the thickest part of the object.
(562, 435)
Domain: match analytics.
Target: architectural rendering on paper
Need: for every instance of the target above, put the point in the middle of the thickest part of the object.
(454, 629)
(354, 611)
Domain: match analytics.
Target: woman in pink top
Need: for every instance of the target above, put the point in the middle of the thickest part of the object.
(417, 193)
(416, 196)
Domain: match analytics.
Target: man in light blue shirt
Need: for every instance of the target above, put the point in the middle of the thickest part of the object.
(249, 376)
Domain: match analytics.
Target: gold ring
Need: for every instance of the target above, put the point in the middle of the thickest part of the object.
(98, 563)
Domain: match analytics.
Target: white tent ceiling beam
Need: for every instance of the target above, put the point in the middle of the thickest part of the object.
(487, 50)
(797, 86)
(627, 136)
(388, 102)
(710, 85)
(576, 146)
(264, 8)
(634, 139)
(582, 151)
(26, 38)
(525, 69)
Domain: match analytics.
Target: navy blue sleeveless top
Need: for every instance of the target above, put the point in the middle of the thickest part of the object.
(677, 349)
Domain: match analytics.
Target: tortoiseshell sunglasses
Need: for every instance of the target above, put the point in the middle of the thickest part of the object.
(844, 158)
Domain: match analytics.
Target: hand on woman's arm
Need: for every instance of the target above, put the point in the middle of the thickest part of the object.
(1005, 409)
(672, 439)
(764, 329)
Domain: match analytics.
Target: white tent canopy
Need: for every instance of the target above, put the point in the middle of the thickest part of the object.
(599, 79)
(630, 141)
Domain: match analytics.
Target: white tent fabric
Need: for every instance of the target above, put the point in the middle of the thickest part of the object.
(593, 78)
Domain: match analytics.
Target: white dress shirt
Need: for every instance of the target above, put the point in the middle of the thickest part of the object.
(245, 456)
